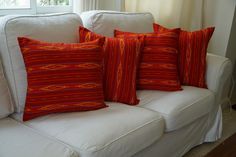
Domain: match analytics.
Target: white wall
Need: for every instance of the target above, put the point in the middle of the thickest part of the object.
(219, 13)
(111, 5)
(231, 52)
(231, 49)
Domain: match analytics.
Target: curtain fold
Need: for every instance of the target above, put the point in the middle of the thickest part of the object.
(85, 5)
(187, 14)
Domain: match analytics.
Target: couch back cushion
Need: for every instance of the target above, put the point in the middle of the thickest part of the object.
(50, 28)
(105, 22)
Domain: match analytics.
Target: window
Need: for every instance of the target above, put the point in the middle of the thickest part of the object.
(47, 6)
(53, 2)
(14, 4)
(34, 6)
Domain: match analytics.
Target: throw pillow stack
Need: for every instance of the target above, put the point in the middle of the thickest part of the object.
(81, 76)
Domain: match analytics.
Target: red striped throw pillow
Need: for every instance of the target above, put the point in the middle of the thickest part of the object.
(192, 57)
(121, 57)
(62, 77)
(158, 67)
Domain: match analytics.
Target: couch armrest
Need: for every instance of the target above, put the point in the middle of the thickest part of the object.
(218, 76)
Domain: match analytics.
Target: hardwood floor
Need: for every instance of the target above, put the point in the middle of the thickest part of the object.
(234, 106)
(225, 149)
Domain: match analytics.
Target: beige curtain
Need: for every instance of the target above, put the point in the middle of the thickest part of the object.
(85, 5)
(187, 14)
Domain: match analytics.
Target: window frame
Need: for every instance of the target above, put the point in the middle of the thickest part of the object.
(34, 9)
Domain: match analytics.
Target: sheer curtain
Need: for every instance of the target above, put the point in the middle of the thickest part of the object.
(85, 5)
(187, 14)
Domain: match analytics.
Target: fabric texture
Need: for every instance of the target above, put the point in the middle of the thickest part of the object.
(116, 131)
(158, 68)
(178, 108)
(6, 103)
(183, 140)
(186, 14)
(192, 55)
(220, 70)
(121, 57)
(62, 77)
(16, 139)
(104, 22)
(85, 5)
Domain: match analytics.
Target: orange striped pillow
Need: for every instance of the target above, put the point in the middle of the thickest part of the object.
(158, 67)
(121, 57)
(192, 58)
(62, 77)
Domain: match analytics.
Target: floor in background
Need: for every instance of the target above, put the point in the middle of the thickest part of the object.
(229, 128)
(229, 145)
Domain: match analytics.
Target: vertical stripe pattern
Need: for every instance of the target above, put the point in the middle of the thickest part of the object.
(192, 57)
(121, 57)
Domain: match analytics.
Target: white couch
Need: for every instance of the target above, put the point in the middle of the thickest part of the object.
(164, 124)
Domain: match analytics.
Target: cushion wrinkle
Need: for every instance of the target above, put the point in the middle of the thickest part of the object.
(96, 148)
(27, 126)
(93, 148)
(175, 109)
(181, 110)
(97, 133)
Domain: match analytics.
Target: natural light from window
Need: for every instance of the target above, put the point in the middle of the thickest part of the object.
(52, 2)
(34, 6)
(14, 4)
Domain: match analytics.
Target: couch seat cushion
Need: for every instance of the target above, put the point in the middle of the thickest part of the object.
(119, 130)
(18, 140)
(178, 108)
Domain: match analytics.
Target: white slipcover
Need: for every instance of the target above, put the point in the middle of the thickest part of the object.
(218, 76)
(117, 131)
(18, 140)
(51, 28)
(177, 143)
(6, 106)
(104, 22)
(178, 108)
